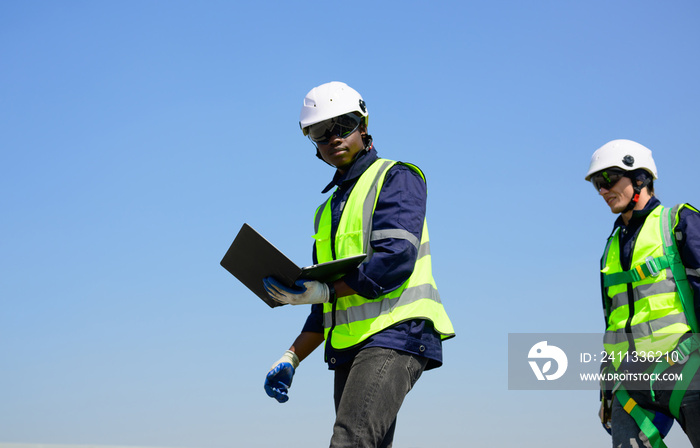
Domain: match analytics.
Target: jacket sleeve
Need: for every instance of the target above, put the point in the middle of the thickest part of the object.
(401, 206)
(314, 322)
(688, 237)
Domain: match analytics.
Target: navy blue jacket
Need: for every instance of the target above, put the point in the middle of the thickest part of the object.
(401, 204)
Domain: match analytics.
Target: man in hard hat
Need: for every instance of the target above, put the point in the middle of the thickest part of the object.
(383, 322)
(650, 274)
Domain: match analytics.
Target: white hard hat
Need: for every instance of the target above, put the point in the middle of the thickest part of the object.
(624, 154)
(330, 100)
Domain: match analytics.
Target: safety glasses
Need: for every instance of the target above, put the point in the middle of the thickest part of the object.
(342, 126)
(607, 178)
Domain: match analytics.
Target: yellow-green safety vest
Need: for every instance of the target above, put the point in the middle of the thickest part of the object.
(650, 304)
(352, 319)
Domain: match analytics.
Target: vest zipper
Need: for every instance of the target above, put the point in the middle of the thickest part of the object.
(329, 346)
(330, 332)
(628, 325)
(333, 257)
(630, 295)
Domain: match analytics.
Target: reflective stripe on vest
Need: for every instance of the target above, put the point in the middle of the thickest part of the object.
(354, 318)
(658, 283)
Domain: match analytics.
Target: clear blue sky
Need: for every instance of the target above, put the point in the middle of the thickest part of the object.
(136, 137)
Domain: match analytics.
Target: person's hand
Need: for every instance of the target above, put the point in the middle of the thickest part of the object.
(303, 291)
(279, 378)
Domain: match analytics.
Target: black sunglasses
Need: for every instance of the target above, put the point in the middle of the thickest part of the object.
(342, 126)
(607, 178)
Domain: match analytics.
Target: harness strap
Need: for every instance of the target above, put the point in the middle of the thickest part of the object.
(688, 372)
(642, 417)
(685, 353)
(650, 268)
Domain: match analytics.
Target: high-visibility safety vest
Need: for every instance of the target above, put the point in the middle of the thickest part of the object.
(354, 318)
(650, 306)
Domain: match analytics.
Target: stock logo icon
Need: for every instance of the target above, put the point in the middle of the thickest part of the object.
(542, 351)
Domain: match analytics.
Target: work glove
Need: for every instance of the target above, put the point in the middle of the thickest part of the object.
(303, 291)
(279, 378)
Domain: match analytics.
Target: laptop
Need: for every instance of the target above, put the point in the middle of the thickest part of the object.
(251, 258)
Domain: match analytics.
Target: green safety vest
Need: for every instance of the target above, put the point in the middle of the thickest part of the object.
(354, 318)
(655, 288)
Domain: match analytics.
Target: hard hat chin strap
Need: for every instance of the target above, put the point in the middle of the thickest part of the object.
(637, 190)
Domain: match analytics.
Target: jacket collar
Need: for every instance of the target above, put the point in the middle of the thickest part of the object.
(364, 159)
(638, 216)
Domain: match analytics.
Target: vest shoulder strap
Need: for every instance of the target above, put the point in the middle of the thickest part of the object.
(414, 168)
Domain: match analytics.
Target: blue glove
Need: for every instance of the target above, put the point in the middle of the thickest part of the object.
(303, 291)
(279, 378)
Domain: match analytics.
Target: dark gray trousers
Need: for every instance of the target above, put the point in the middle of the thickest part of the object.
(368, 394)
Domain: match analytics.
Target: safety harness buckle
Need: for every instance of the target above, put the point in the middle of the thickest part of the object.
(617, 386)
(682, 355)
(651, 265)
